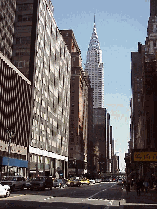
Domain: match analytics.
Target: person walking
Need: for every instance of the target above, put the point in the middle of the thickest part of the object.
(141, 185)
(146, 186)
(138, 185)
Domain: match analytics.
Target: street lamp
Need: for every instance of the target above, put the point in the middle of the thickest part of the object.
(11, 134)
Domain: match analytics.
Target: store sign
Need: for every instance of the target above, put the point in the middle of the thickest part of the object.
(145, 156)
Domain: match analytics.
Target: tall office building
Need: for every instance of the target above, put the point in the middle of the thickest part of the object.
(41, 54)
(94, 67)
(15, 110)
(144, 102)
(7, 18)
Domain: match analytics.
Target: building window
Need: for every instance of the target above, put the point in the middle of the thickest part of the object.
(23, 40)
(20, 64)
(24, 18)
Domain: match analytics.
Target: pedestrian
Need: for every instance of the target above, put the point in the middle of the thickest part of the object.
(138, 185)
(146, 186)
(141, 185)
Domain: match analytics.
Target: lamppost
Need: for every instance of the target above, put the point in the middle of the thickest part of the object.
(11, 134)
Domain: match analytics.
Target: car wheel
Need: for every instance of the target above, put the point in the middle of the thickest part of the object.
(71, 184)
(8, 193)
(22, 188)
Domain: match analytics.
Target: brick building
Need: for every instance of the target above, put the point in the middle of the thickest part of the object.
(79, 135)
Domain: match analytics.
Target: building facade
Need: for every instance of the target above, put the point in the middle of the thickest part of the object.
(143, 105)
(7, 19)
(41, 54)
(99, 122)
(15, 112)
(79, 109)
(94, 67)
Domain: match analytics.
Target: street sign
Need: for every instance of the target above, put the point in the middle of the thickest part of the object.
(145, 156)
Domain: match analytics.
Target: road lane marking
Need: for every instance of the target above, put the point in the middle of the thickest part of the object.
(48, 198)
(96, 194)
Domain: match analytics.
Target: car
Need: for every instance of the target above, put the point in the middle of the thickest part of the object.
(73, 182)
(85, 181)
(92, 181)
(15, 182)
(41, 182)
(4, 190)
(28, 184)
(120, 182)
(97, 180)
(59, 183)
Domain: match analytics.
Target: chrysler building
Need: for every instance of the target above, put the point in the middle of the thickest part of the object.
(94, 67)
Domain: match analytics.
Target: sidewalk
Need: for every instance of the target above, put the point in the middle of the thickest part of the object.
(145, 198)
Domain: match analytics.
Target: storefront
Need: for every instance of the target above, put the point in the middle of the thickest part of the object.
(12, 166)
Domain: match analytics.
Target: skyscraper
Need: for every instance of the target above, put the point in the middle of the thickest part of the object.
(41, 54)
(94, 67)
(7, 18)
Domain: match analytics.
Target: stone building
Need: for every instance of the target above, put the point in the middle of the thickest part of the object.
(94, 67)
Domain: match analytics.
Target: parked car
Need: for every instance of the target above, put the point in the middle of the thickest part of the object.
(15, 182)
(73, 182)
(4, 190)
(27, 184)
(92, 181)
(41, 182)
(97, 180)
(59, 183)
(85, 181)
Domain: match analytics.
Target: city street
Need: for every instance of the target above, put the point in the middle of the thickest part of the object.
(102, 196)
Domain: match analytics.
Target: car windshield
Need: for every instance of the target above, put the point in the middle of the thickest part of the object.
(9, 178)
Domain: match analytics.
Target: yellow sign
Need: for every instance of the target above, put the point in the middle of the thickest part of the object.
(145, 156)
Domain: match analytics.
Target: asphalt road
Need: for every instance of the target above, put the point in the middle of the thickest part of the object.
(98, 196)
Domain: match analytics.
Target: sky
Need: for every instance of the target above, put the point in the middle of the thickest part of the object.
(120, 24)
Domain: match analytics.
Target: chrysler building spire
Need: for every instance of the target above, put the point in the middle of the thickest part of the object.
(94, 67)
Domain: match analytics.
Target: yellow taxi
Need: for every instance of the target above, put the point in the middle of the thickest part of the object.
(73, 182)
(85, 181)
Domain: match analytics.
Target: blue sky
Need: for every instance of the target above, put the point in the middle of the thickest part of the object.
(120, 24)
